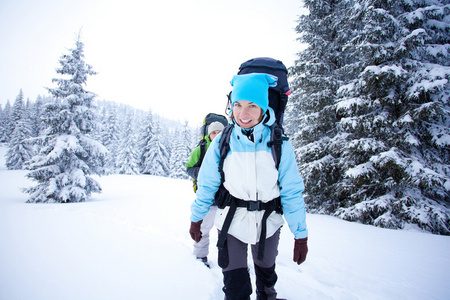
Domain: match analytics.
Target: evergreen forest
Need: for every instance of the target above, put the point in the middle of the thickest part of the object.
(369, 113)
(368, 116)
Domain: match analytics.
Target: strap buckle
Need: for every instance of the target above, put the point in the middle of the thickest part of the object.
(254, 205)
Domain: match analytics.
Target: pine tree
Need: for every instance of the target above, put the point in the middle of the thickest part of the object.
(157, 157)
(311, 120)
(17, 109)
(145, 143)
(69, 155)
(9, 125)
(110, 137)
(180, 154)
(385, 158)
(20, 148)
(36, 113)
(128, 157)
(2, 125)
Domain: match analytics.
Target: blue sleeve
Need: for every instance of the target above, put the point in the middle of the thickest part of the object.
(291, 188)
(208, 182)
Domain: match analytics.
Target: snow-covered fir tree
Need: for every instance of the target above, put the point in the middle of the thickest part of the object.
(111, 136)
(166, 134)
(20, 146)
(2, 125)
(36, 111)
(68, 155)
(311, 120)
(17, 110)
(195, 137)
(128, 153)
(370, 111)
(8, 125)
(145, 143)
(157, 157)
(180, 153)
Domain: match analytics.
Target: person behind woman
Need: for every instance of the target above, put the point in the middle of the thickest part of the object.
(251, 177)
(201, 248)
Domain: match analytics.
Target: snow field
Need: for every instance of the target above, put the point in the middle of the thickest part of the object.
(132, 242)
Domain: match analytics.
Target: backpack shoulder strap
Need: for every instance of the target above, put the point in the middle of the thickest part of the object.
(224, 147)
(276, 141)
(202, 145)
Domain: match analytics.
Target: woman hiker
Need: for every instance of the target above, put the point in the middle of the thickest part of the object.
(201, 248)
(252, 184)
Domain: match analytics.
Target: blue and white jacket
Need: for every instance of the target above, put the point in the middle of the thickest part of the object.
(251, 174)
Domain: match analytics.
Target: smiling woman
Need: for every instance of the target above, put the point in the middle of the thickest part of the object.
(146, 55)
(249, 104)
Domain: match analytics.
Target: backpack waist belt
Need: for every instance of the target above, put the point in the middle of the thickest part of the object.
(253, 205)
(224, 198)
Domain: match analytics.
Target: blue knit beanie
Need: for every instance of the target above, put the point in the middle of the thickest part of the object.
(253, 87)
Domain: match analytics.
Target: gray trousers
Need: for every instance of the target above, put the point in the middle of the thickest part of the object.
(235, 268)
(201, 249)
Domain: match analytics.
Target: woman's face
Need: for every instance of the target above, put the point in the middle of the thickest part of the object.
(247, 114)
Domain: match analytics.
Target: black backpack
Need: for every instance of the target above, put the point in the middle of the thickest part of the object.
(211, 117)
(278, 97)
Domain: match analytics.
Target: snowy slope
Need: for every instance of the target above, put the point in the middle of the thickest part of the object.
(132, 242)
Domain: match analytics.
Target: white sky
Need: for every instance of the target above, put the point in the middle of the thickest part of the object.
(175, 57)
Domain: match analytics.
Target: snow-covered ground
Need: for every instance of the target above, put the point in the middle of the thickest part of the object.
(132, 242)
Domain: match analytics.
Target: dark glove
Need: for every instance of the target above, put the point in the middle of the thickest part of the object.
(195, 232)
(300, 250)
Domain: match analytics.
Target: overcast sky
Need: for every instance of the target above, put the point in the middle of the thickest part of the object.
(175, 57)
